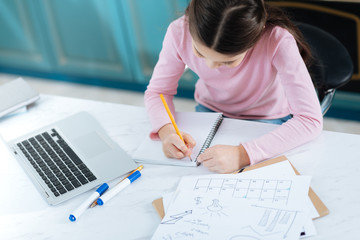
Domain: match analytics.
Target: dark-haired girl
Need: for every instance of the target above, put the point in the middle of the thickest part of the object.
(251, 62)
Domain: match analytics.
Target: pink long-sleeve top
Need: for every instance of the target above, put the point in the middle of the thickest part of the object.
(271, 82)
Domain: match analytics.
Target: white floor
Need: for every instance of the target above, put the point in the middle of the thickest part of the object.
(136, 98)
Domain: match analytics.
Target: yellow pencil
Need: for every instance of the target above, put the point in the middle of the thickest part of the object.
(137, 169)
(171, 117)
(172, 120)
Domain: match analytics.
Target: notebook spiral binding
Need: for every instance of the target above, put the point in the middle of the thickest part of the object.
(211, 134)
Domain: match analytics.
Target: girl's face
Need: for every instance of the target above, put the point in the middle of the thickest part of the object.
(214, 59)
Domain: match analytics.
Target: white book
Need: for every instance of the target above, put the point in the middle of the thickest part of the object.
(202, 126)
(208, 129)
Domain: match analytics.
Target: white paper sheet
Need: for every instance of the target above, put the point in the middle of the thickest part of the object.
(232, 207)
(308, 229)
(283, 168)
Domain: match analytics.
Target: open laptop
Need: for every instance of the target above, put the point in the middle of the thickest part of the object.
(69, 157)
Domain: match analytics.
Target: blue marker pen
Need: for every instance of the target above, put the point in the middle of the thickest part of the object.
(78, 211)
(115, 190)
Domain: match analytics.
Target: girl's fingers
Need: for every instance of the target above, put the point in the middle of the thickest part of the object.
(174, 147)
(206, 155)
(189, 140)
(209, 164)
(180, 145)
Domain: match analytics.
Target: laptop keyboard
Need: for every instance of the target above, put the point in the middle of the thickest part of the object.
(56, 163)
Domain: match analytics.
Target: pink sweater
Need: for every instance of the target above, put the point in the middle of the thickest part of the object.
(271, 82)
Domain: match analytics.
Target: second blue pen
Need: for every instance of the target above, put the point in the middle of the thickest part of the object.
(78, 211)
(115, 190)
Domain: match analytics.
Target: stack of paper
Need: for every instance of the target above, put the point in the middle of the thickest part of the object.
(267, 203)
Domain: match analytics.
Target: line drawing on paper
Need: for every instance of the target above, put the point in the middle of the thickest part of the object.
(168, 237)
(250, 233)
(214, 208)
(254, 189)
(177, 217)
(265, 218)
(285, 218)
(273, 221)
(198, 200)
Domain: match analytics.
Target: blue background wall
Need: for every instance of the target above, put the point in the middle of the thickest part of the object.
(112, 43)
(104, 42)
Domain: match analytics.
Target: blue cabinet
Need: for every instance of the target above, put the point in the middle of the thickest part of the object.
(21, 37)
(111, 41)
(147, 22)
(86, 38)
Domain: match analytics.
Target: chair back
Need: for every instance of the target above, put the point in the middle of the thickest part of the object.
(332, 66)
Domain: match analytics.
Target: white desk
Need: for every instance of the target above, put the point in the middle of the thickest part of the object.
(333, 160)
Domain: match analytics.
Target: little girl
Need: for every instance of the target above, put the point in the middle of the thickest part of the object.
(250, 60)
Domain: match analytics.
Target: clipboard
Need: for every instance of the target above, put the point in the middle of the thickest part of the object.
(319, 205)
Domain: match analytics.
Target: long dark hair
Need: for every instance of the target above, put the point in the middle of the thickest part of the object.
(233, 26)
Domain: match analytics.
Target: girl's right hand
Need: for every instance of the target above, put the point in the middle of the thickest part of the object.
(173, 146)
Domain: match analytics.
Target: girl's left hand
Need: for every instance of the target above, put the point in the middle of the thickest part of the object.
(224, 158)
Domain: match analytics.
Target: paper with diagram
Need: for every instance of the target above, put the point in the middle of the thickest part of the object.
(236, 207)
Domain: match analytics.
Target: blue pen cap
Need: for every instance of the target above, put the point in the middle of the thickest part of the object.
(72, 218)
(100, 202)
(102, 188)
(134, 176)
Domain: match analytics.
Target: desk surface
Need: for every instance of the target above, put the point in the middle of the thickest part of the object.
(333, 160)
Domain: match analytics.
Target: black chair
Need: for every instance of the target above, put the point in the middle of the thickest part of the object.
(332, 66)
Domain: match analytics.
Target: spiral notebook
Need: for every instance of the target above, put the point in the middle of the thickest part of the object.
(202, 127)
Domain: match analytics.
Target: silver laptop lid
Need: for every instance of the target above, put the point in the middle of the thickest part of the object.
(69, 157)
